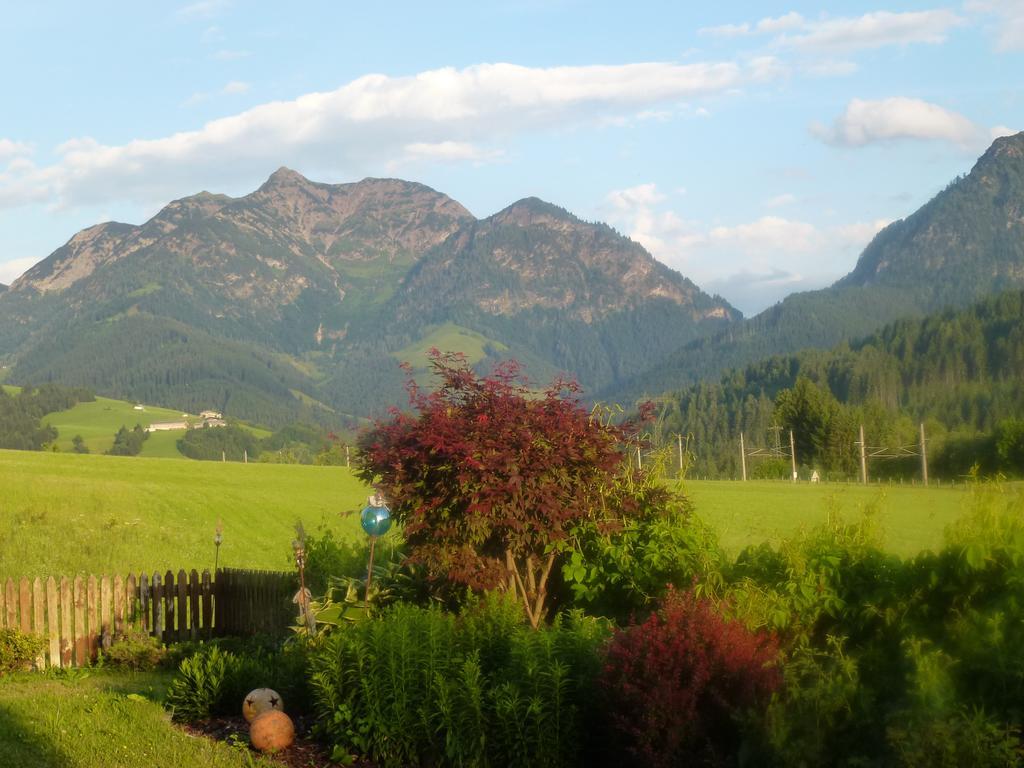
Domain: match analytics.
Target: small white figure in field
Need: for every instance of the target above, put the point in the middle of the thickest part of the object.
(261, 700)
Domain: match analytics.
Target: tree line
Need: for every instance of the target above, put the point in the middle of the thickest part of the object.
(958, 372)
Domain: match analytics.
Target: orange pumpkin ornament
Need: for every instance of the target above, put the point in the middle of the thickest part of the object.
(272, 731)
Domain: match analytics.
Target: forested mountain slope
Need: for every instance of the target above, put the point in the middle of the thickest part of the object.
(961, 371)
(964, 244)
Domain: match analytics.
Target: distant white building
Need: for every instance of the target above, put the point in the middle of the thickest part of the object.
(139, 407)
(166, 426)
(210, 415)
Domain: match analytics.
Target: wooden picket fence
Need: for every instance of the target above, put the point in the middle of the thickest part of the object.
(80, 615)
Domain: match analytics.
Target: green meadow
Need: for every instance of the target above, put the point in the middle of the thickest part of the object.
(65, 513)
(98, 421)
(908, 518)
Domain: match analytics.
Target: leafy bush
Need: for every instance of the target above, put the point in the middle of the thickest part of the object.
(420, 686)
(135, 650)
(18, 651)
(199, 687)
(675, 684)
(214, 681)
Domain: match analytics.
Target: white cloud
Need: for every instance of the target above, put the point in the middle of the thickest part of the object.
(236, 87)
(770, 233)
(764, 68)
(753, 264)
(791, 20)
(865, 122)
(9, 150)
(369, 121)
(449, 151)
(727, 30)
(871, 30)
(11, 270)
(859, 234)
(830, 68)
(1009, 24)
(202, 9)
(632, 198)
(1002, 130)
(779, 201)
(874, 30)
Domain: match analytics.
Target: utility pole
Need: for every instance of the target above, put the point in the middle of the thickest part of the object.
(792, 453)
(924, 458)
(680, 439)
(863, 458)
(639, 461)
(743, 458)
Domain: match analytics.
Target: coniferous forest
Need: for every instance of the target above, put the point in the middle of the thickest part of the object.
(958, 372)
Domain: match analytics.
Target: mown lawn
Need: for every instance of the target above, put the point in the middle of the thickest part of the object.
(100, 719)
(65, 513)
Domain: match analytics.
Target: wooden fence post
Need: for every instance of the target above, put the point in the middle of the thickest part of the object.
(93, 609)
(193, 604)
(182, 609)
(67, 630)
(81, 642)
(53, 619)
(169, 631)
(25, 605)
(158, 614)
(118, 606)
(207, 605)
(38, 617)
(106, 627)
(12, 605)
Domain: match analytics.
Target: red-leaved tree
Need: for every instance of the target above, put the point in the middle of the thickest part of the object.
(488, 477)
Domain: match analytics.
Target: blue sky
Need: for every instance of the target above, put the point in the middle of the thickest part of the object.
(754, 147)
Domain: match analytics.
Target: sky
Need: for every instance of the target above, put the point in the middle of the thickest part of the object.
(754, 147)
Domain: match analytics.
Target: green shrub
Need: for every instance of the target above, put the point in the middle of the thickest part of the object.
(215, 679)
(135, 650)
(18, 651)
(199, 687)
(421, 686)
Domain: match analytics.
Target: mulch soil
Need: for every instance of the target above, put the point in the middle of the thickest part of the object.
(303, 753)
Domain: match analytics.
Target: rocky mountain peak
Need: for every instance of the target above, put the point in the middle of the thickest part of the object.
(285, 177)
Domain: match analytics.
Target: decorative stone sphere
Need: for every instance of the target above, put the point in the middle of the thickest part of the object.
(272, 731)
(261, 700)
(375, 520)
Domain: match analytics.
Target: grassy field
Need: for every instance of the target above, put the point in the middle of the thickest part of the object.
(65, 513)
(447, 336)
(909, 518)
(97, 422)
(100, 719)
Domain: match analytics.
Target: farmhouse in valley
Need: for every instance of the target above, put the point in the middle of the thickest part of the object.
(206, 419)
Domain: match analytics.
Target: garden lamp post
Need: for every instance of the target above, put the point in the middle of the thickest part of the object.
(217, 539)
(376, 520)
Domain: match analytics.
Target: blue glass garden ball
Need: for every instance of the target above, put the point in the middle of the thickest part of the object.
(376, 521)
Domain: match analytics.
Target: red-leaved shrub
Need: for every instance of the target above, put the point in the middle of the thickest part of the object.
(674, 684)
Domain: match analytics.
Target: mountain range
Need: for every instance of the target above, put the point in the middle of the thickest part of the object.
(297, 301)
